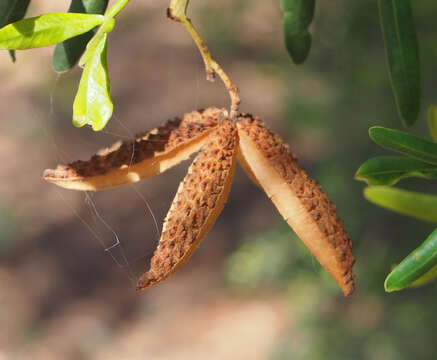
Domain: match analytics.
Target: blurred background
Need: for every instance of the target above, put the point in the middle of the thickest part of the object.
(252, 290)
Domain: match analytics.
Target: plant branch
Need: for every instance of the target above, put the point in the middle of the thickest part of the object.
(177, 12)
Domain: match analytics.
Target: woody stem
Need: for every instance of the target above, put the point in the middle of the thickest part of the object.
(177, 12)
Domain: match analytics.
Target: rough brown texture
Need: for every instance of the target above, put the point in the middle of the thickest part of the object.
(144, 156)
(199, 201)
(202, 194)
(307, 204)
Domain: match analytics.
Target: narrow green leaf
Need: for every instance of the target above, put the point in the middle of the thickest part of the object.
(402, 56)
(416, 264)
(298, 16)
(404, 143)
(432, 121)
(418, 205)
(93, 104)
(298, 45)
(11, 11)
(46, 30)
(300, 13)
(67, 53)
(426, 278)
(388, 170)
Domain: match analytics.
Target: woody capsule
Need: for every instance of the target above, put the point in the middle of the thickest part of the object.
(201, 195)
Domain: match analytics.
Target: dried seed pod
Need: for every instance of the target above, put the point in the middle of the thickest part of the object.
(199, 201)
(301, 202)
(150, 154)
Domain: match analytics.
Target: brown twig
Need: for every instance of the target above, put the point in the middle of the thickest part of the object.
(177, 12)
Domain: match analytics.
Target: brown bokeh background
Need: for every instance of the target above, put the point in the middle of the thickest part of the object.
(63, 297)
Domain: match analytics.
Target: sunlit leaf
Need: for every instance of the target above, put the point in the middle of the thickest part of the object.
(93, 104)
(11, 11)
(418, 205)
(45, 30)
(67, 53)
(417, 264)
(432, 121)
(120, 4)
(388, 170)
(402, 56)
(404, 143)
(91, 48)
(106, 27)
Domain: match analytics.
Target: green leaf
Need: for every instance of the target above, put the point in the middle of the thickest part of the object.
(120, 4)
(91, 48)
(418, 205)
(429, 276)
(106, 27)
(93, 104)
(417, 264)
(11, 11)
(298, 16)
(298, 45)
(67, 53)
(404, 143)
(299, 12)
(432, 121)
(46, 30)
(402, 56)
(388, 170)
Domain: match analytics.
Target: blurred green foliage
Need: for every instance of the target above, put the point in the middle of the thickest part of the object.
(329, 103)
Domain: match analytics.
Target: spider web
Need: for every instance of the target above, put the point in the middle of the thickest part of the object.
(101, 222)
(94, 215)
